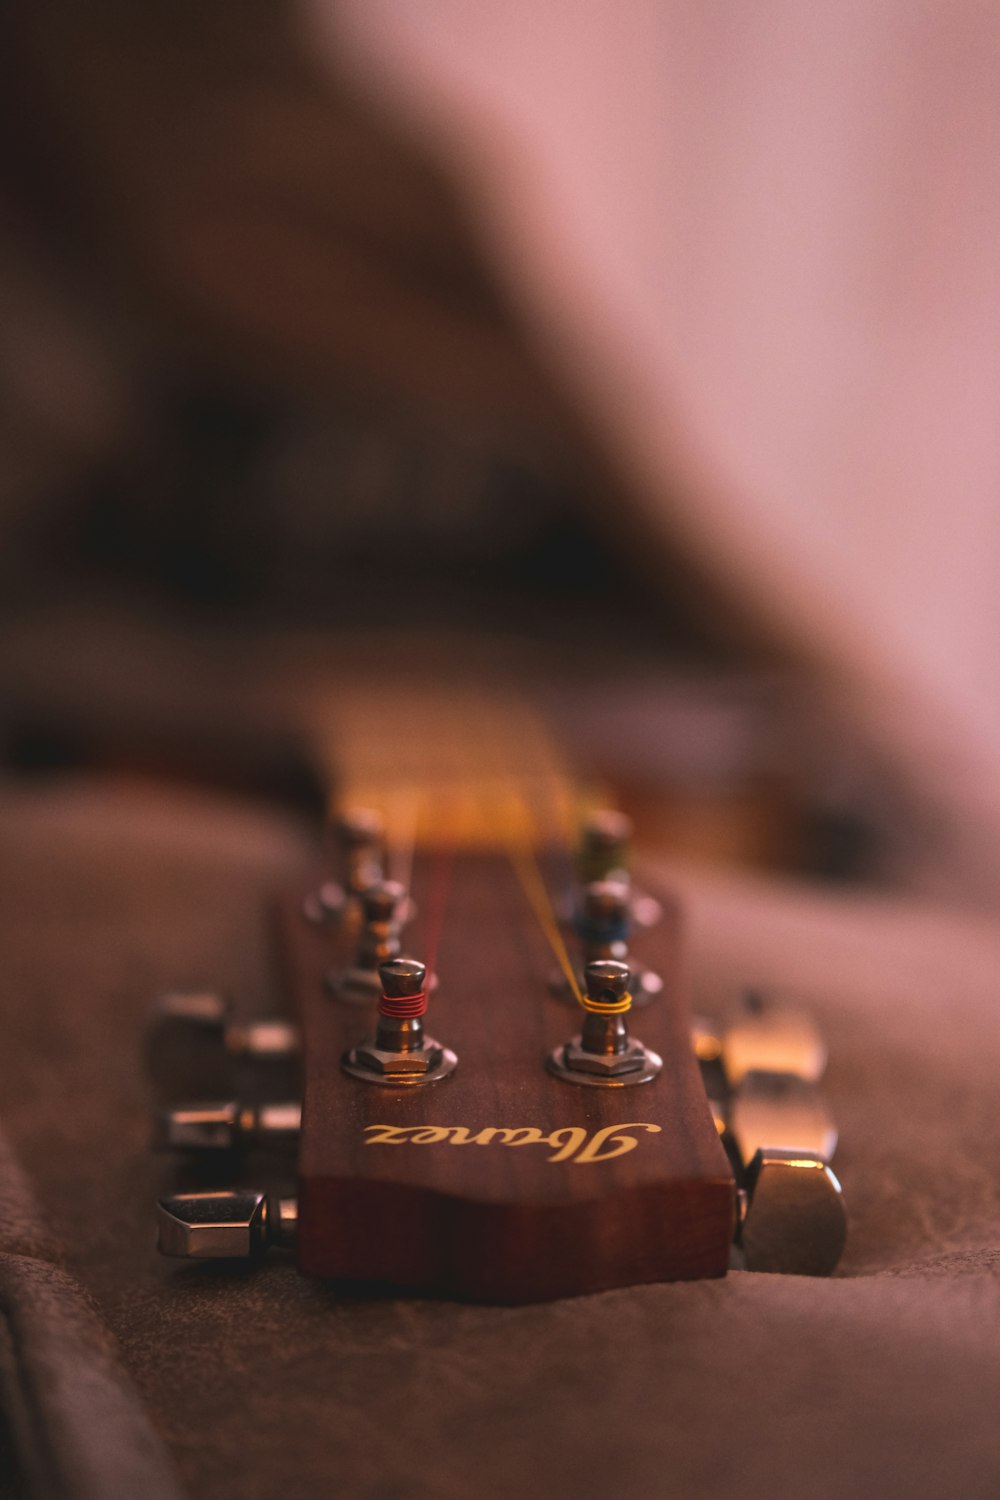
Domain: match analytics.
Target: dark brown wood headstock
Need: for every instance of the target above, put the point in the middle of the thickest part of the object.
(502, 1182)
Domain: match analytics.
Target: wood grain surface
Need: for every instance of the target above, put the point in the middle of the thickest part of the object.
(490, 1220)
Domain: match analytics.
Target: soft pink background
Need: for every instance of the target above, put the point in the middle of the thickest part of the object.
(761, 242)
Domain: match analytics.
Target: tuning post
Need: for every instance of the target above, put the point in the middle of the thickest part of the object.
(382, 910)
(358, 838)
(401, 1054)
(603, 926)
(604, 1053)
(228, 1126)
(605, 853)
(236, 1224)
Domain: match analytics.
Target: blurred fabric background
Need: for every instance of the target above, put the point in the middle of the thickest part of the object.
(656, 324)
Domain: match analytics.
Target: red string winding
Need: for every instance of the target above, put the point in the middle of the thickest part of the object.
(403, 1007)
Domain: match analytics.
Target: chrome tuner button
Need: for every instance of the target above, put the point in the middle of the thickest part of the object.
(185, 1041)
(237, 1224)
(781, 1111)
(263, 1042)
(768, 1037)
(227, 1126)
(761, 1076)
(795, 1221)
(604, 1055)
(195, 1047)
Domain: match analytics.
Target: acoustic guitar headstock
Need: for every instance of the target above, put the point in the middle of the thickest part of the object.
(500, 1096)
(514, 1167)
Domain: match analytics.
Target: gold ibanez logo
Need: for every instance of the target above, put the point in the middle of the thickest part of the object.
(570, 1143)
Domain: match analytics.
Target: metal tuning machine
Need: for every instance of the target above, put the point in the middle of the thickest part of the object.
(605, 853)
(604, 1054)
(401, 1054)
(196, 1046)
(228, 1126)
(358, 842)
(603, 926)
(383, 908)
(762, 1072)
(232, 1224)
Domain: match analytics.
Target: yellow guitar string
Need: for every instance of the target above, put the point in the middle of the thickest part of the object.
(405, 810)
(526, 869)
(607, 1007)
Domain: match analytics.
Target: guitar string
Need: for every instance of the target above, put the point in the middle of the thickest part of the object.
(406, 813)
(522, 828)
(522, 857)
(404, 817)
(437, 902)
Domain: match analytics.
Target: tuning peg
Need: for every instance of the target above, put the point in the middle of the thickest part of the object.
(231, 1225)
(794, 1219)
(779, 1111)
(605, 854)
(604, 1053)
(400, 1053)
(227, 1126)
(605, 841)
(603, 926)
(761, 1071)
(382, 907)
(766, 1037)
(358, 840)
(194, 1045)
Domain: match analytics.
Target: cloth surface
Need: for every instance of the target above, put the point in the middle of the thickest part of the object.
(883, 1380)
(73, 1424)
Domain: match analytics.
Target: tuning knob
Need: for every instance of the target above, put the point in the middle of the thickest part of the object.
(794, 1221)
(195, 1046)
(767, 1037)
(764, 1067)
(228, 1126)
(231, 1225)
(778, 1110)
